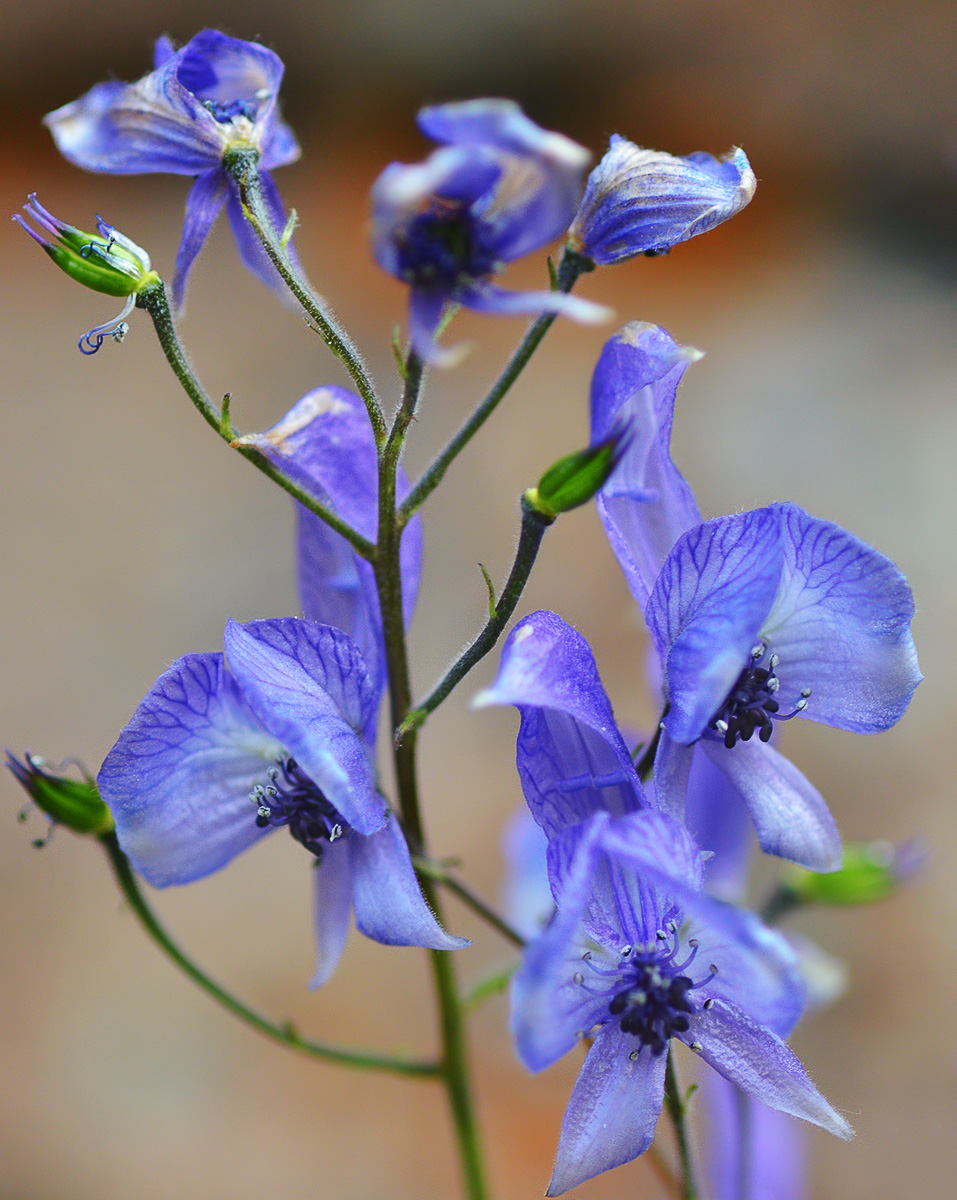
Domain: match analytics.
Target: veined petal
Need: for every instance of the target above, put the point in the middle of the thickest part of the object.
(646, 505)
(757, 1061)
(331, 905)
(613, 1110)
(388, 902)
(714, 592)
(758, 969)
(179, 777)
(841, 626)
(571, 758)
(309, 687)
(206, 198)
(789, 813)
(641, 201)
(551, 1010)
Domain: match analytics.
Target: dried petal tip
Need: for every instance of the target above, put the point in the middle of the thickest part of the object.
(75, 803)
(646, 201)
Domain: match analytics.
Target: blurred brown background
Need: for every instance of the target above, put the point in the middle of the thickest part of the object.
(827, 310)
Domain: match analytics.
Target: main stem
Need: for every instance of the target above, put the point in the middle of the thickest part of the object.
(454, 1062)
(676, 1111)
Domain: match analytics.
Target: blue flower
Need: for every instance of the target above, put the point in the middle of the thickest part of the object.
(326, 444)
(498, 188)
(278, 733)
(756, 617)
(214, 94)
(645, 201)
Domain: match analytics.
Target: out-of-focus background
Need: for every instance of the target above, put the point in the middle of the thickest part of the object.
(828, 312)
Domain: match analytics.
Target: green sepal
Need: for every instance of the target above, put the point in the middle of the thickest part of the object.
(75, 803)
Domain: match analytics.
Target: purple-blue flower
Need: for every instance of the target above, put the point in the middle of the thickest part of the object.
(756, 617)
(212, 95)
(278, 732)
(326, 444)
(645, 201)
(498, 188)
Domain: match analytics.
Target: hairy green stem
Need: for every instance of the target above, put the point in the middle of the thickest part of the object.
(677, 1110)
(285, 1034)
(243, 166)
(153, 300)
(569, 269)
(470, 898)
(455, 1068)
(534, 524)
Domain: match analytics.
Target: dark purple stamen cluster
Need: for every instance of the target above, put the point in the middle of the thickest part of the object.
(225, 111)
(441, 246)
(291, 798)
(751, 703)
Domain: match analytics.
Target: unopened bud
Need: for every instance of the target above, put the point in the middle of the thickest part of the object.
(869, 871)
(75, 803)
(575, 479)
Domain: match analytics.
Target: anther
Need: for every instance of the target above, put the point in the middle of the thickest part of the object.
(709, 1003)
(633, 1055)
(696, 1047)
(624, 951)
(578, 978)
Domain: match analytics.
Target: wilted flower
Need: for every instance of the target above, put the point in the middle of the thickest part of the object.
(106, 262)
(213, 95)
(645, 201)
(498, 188)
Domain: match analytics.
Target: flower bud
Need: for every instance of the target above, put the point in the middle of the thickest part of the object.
(106, 262)
(869, 871)
(574, 479)
(74, 803)
(646, 201)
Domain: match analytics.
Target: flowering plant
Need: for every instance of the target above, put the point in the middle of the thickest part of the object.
(628, 897)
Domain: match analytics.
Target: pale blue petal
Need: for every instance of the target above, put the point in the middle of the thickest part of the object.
(751, 1152)
(789, 814)
(672, 773)
(527, 900)
(309, 687)
(571, 758)
(331, 905)
(707, 608)
(488, 298)
(203, 205)
(757, 1061)
(841, 626)
(613, 1110)
(386, 896)
(646, 505)
(718, 819)
(552, 1007)
(179, 778)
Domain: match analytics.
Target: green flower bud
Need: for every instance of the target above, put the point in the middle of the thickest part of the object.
(106, 262)
(574, 479)
(75, 803)
(869, 871)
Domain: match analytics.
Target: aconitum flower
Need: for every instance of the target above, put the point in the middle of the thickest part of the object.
(279, 732)
(326, 444)
(757, 617)
(212, 95)
(498, 188)
(635, 956)
(645, 201)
